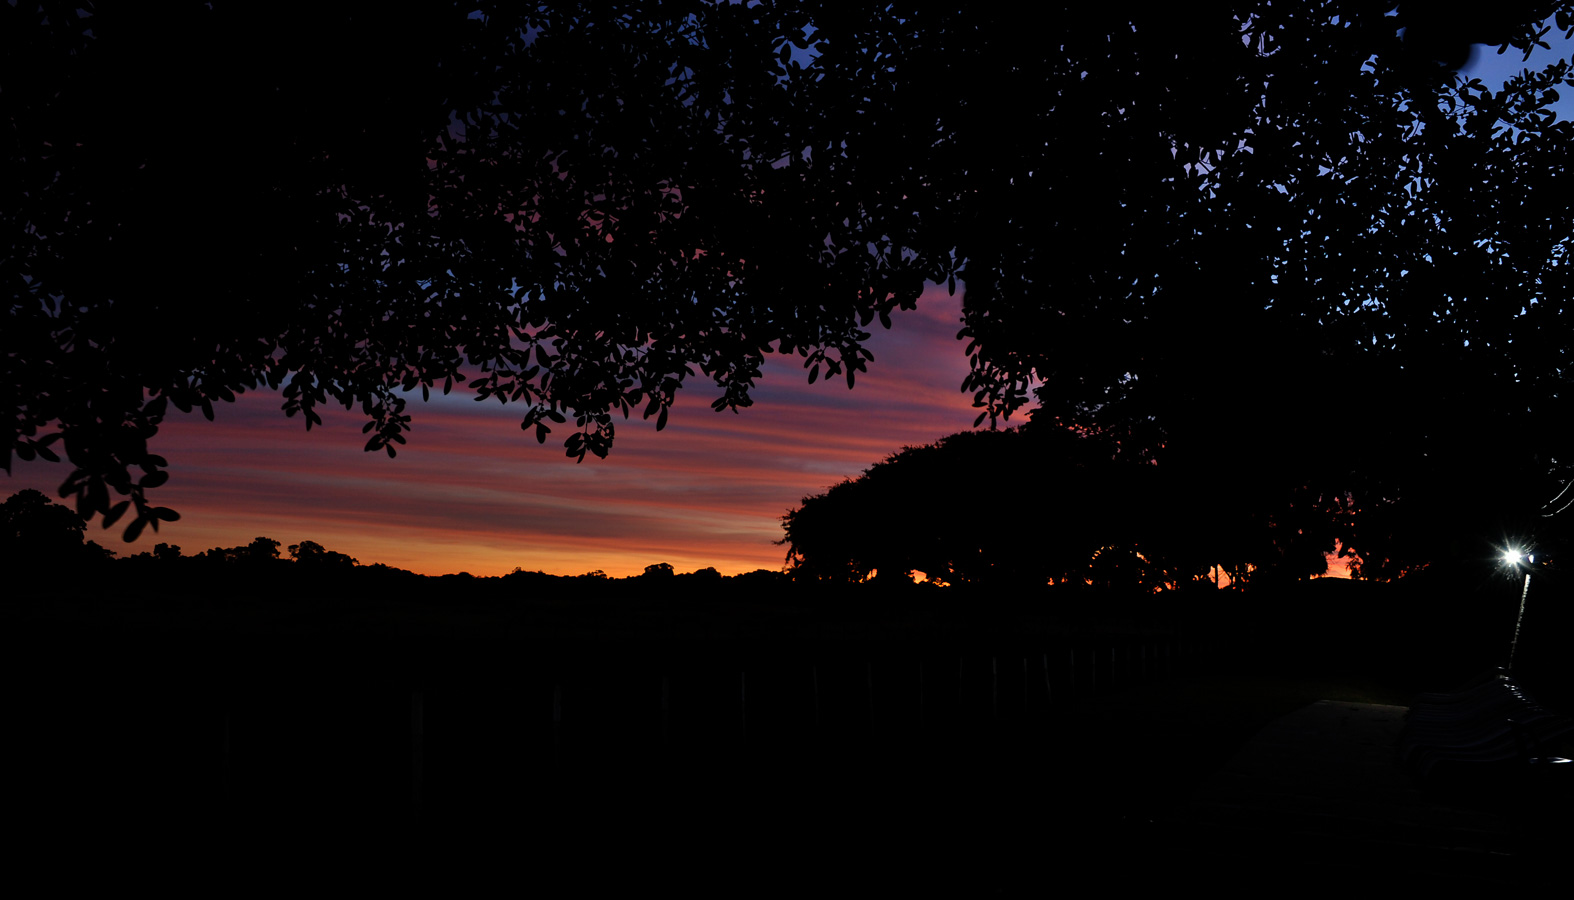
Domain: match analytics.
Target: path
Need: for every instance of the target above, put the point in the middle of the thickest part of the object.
(1316, 797)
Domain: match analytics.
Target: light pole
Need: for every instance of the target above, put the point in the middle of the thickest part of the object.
(1513, 557)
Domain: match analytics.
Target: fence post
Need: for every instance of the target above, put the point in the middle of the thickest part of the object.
(994, 687)
(814, 673)
(869, 690)
(1049, 693)
(417, 754)
(224, 762)
(1071, 672)
(1025, 683)
(557, 722)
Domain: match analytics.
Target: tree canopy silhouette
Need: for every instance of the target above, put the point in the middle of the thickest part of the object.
(1350, 281)
(39, 537)
(1060, 507)
(575, 206)
(1061, 498)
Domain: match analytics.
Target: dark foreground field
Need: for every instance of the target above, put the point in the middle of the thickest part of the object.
(735, 751)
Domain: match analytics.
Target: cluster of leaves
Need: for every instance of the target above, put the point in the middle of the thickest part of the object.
(1320, 262)
(587, 203)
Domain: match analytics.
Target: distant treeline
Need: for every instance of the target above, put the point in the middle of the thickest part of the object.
(43, 540)
(1045, 504)
(1102, 527)
(70, 596)
(45, 551)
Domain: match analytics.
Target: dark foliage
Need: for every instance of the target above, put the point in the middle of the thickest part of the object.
(315, 555)
(1321, 266)
(922, 509)
(1181, 222)
(39, 537)
(1059, 507)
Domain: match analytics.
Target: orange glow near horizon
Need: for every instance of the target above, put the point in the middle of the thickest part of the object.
(1342, 562)
(472, 492)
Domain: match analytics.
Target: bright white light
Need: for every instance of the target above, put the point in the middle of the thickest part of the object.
(1511, 556)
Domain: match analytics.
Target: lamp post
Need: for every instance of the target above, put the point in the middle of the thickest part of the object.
(1513, 557)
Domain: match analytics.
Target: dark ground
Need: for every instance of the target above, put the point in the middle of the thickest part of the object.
(257, 744)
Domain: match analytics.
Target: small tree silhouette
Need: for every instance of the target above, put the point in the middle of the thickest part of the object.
(39, 537)
(313, 555)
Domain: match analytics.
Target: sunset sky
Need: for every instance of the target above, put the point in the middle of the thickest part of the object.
(472, 492)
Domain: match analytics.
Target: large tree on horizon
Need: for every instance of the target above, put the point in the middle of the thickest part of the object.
(1162, 218)
(39, 537)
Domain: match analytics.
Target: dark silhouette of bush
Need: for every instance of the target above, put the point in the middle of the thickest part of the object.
(1042, 505)
(529, 584)
(260, 553)
(314, 556)
(40, 539)
(1014, 507)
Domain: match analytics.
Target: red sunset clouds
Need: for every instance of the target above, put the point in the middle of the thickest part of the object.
(472, 492)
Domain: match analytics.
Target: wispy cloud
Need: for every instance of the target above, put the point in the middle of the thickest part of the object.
(472, 492)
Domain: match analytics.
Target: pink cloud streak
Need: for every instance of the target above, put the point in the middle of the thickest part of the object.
(472, 492)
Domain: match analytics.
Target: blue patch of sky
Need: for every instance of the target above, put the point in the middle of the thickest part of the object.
(1494, 68)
